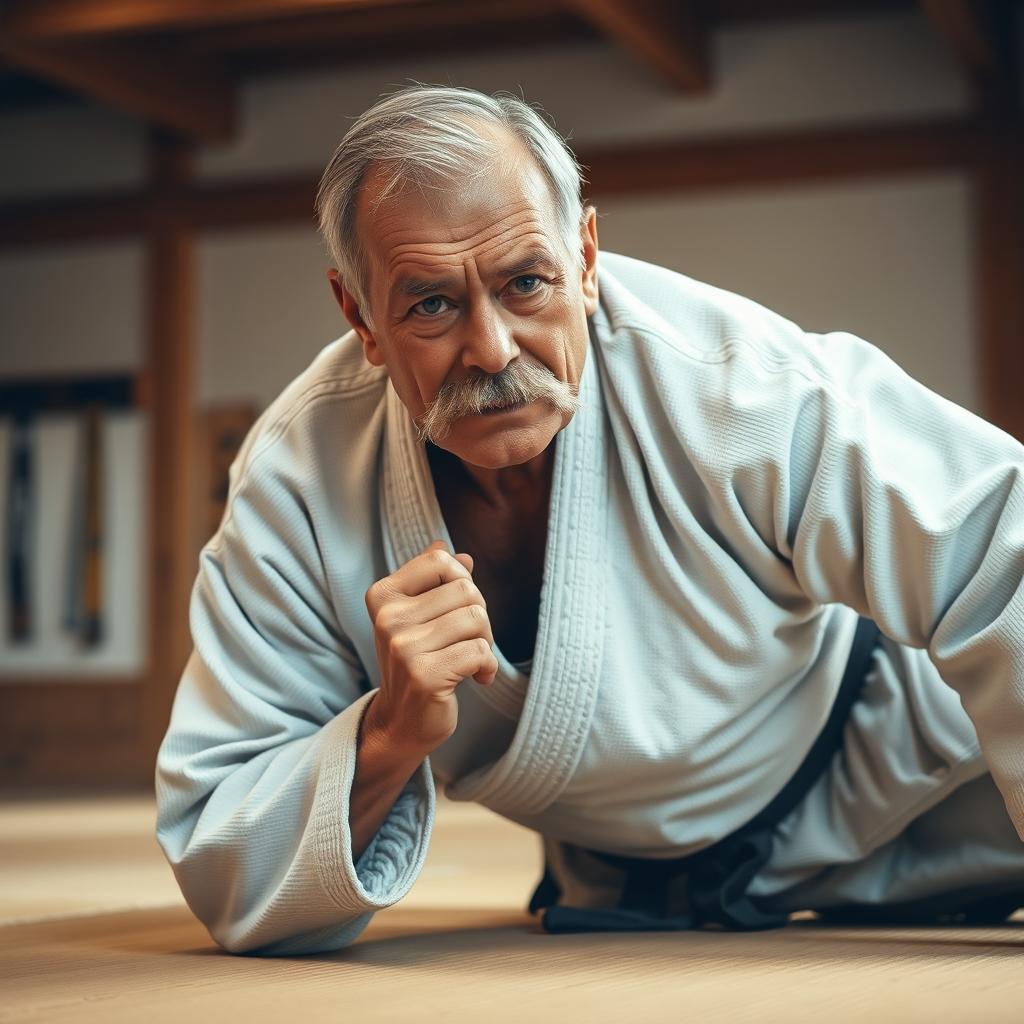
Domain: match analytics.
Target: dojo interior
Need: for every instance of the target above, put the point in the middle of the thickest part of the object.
(855, 166)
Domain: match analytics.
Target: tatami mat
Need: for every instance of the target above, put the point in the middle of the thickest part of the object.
(459, 949)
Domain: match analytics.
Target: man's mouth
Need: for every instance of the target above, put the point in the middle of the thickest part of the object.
(507, 407)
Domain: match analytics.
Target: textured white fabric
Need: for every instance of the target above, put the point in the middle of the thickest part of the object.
(731, 494)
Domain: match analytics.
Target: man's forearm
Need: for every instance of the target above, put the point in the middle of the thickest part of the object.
(382, 770)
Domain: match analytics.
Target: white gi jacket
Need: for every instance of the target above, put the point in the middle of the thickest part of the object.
(731, 494)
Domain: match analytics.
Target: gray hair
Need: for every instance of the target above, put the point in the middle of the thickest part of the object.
(424, 135)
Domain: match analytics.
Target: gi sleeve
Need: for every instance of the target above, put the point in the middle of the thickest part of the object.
(892, 500)
(254, 774)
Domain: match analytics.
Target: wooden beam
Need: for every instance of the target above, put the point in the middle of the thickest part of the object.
(361, 32)
(142, 79)
(666, 35)
(102, 217)
(50, 19)
(782, 158)
(979, 33)
(739, 11)
(553, 28)
(113, 216)
(698, 165)
(55, 19)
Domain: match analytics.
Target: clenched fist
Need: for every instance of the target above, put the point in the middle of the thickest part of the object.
(432, 631)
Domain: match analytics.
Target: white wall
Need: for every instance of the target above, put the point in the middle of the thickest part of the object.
(71, 309)
(265, 309)
(888, 259)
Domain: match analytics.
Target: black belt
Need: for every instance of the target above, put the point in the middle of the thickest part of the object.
(717, 876)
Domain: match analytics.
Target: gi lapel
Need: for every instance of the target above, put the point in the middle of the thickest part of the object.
(556, 709)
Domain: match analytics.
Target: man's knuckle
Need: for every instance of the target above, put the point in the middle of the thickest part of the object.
(419, 671)
(389, 618)
(383, 590)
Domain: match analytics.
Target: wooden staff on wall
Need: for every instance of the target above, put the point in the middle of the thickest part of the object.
(20, 498)
(84, 611)
(91, 622)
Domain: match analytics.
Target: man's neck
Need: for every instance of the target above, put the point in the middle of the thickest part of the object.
(502, 489)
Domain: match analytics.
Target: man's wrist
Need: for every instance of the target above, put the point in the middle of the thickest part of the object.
(378, 747)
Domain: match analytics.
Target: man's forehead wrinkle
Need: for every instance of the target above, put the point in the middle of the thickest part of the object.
(412, 270)
(492, 233)
(448, 251)
(397, 223)
(503, 249)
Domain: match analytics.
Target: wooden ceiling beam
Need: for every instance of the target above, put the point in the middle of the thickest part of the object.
(979, 34)
(56, 19)
(783, 158)
(96, 218)
(184, 97)
(666, 35)
(356, 27)
(48, 19)
(748, 11)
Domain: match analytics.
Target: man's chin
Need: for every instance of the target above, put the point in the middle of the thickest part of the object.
(475, 424)
(502, 439)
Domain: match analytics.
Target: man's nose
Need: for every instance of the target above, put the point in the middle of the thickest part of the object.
(487, 344)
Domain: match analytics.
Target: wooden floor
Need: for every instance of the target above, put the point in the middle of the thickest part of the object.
(92, 929)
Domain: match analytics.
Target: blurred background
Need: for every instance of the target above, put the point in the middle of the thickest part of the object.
(853, 165)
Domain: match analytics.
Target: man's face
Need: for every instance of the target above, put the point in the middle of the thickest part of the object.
(462, 284)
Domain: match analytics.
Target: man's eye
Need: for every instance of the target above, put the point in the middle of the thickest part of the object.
(432, 306)
(526, 284)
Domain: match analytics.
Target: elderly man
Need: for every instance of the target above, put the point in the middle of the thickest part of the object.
(731, 614)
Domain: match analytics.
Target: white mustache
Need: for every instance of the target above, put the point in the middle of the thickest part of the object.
(519, 382)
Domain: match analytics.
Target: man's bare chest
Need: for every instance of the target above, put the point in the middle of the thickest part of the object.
(508, 557)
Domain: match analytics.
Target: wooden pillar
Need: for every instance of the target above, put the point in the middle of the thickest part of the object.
(999, 228)
(986, 39)
(171, 329)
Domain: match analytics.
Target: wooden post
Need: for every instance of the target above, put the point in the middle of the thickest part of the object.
(999, 273)
(999, 223)
(171, 329)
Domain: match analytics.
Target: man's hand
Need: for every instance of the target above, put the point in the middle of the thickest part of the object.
(431, 631)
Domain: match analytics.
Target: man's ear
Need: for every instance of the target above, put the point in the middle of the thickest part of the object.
(588, 243)
(350, 307)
